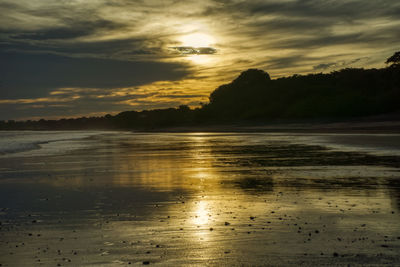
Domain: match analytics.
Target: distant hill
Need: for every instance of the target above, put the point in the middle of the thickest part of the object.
(254, 97)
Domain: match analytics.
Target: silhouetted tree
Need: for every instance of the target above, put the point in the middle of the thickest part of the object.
(242, 95)
(184, 108)
(394, 60)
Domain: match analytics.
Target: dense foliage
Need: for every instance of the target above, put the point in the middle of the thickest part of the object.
(344, 93)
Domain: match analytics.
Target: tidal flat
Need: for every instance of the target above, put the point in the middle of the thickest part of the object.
(199, 199)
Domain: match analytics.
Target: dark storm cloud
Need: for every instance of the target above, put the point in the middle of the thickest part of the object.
(35, 75)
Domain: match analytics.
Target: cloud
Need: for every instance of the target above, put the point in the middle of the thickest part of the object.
(190, 50)
(347, 10)
(72, 102)
(74, 29)
(324, 66)
(35, 75)
(339, 64)
(103, 46)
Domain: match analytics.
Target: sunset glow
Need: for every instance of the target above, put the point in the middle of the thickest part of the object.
(116, 51)
(197, 40)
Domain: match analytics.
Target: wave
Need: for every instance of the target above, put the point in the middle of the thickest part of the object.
(17, 147)
(18, 142)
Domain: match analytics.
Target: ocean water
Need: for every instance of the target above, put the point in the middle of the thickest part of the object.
(199, 199)
(33, 143)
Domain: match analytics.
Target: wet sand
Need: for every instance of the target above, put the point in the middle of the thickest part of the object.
(218, 199)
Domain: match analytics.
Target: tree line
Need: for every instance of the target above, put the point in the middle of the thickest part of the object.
(254, 97)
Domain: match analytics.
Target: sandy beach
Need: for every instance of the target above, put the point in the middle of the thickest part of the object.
(200, 199)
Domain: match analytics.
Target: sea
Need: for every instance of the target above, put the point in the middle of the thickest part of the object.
(119, 198)
(33, 143)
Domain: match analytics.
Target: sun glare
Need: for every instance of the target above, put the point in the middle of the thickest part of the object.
(197, 40)
(200, 59)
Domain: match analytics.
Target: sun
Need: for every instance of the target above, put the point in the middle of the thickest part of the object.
(197, 40)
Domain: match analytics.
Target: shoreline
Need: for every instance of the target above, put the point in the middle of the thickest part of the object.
(359, 127)
(333, 127)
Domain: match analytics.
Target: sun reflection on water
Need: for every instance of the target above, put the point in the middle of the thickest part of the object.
(201, 214)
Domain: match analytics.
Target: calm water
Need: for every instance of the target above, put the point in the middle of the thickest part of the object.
(120, 198)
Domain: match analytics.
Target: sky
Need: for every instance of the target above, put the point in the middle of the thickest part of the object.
(72, 58)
